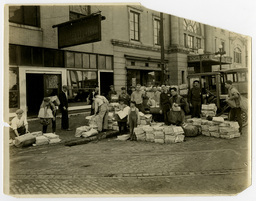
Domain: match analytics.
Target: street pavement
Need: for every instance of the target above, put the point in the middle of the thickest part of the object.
(200, 165)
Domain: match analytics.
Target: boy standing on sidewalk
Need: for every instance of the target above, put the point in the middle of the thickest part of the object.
(133, 119)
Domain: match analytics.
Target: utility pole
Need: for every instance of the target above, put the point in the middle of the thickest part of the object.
(161, 35)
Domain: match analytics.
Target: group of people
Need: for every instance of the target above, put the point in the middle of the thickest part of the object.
(172, 107)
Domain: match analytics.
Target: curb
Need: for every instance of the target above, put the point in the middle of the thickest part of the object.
(100, 136)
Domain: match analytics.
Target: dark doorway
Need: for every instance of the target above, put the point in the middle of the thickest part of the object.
(35, 93)
(106, 79)
(38, 87)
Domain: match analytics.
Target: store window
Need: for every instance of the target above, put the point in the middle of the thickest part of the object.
(156, 31)
(143, 77)
(237, 55)
(134, 26)
(13, 89)
(80, 84)
(27, 15)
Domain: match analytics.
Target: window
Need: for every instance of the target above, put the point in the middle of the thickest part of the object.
(237, 55)
(156, 31)
(183, 77)
(134, 26)
(12, 54)
(27, 15)
(191, 26)
(76, 12)
(198, 43)
(80, 84)
(185, 40)
(223, 45)
(13, 88)
(191, 41)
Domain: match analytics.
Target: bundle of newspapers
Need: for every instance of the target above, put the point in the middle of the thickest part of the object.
(159, 133)
(218, 127)
(208, 110)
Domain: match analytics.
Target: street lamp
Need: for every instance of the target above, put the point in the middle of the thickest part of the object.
(220, 53)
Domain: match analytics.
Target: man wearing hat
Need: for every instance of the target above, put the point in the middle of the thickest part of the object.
(111, 92)
(19, 125)
(124, 96)
(64, 108)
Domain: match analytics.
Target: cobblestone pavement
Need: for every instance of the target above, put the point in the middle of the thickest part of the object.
(200, 165)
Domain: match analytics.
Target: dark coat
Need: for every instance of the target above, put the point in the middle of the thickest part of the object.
(63, 100)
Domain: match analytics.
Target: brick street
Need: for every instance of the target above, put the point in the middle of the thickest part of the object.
(200, 165)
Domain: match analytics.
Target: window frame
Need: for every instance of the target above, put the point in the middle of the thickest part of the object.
(133, 38)
(155, 29)
(23, 13)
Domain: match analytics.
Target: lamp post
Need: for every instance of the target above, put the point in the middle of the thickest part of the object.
(220, 53)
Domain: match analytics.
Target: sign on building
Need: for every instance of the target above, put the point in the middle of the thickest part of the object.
(81, 31)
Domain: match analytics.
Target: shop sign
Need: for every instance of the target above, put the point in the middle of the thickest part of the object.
(81, 31)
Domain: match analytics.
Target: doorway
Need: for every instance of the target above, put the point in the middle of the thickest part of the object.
(106, 79)
(39, 86)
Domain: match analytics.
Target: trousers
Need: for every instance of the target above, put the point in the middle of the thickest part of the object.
(102, 117)
(235, 115)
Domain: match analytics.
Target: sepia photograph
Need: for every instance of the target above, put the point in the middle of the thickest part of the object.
(123, 100)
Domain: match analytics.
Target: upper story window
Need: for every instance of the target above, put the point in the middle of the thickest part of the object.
(190, 41)
(237, 55)
(134, 26)
(76, 12)
(223, 45)
(192, 26)
(27, 15)
(156, 31)
(192, 34)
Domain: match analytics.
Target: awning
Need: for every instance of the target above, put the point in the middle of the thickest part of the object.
(143, 68)
(208, 59)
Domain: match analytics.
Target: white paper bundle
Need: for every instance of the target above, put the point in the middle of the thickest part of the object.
(197, 122)
(24, 140)
(178, 130)
(143, 122)
(157, 128)
(161, 141)
(204, 122)
(81, 129)
(206, 133)
(89, 133)
(218, 119)
(37, 133)
(224, 124)
(170, 139)
(206, 113)
(115, 128)
(233, 124)
(148, 130)
(213, 128)
(150, 137)
(123, 137)
(205, 127)
(168, 130)
(215, 134)
(159, 135)
(138, 130)
(179, 138)
(51, 135)
(42, 140)
(53, 141)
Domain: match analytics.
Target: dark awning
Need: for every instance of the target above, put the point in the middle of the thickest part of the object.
(208, 59)
(143, 68)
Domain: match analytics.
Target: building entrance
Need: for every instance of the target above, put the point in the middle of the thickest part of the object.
(106, 79)
(39, 86)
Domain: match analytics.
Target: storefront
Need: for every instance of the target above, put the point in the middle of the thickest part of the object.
(143, 71)
(35, 73)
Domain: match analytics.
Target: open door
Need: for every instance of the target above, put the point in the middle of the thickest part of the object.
(106, 79)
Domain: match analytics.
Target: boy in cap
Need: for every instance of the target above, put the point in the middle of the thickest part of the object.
(19, 124)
